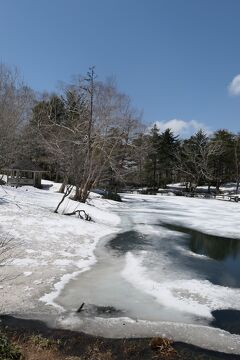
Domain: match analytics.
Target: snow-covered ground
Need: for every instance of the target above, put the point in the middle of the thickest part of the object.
(210, 216)
(227, 187)
(52, 249)
(49, 249)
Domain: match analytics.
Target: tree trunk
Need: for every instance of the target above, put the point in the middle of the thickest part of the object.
(237, 186)
(76, 195)
(82, 192)
(66, 193)
(63, 186)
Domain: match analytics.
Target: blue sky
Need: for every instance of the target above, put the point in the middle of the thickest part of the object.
(175, 58)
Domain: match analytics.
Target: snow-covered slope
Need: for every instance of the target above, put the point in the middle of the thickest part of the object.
(49, 249)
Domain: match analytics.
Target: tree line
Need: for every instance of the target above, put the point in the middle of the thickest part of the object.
(89, 135)
(201, 159)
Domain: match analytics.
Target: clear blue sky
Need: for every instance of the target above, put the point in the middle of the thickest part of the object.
(175, 58)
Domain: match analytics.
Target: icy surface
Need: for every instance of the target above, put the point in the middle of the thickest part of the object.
(197, 297)
(153, 278)
(157, 283)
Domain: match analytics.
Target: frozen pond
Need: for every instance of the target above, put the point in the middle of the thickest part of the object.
(167, 271)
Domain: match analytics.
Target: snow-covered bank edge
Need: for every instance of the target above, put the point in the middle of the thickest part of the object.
(135, 346)
(205, 337)
(52, 249)
(49, 298)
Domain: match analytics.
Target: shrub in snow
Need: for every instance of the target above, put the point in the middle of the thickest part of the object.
(112, 196)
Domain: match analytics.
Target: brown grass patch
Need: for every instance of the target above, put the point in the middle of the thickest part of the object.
(163, 348)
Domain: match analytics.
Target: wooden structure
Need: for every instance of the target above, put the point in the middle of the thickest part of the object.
(24, 172)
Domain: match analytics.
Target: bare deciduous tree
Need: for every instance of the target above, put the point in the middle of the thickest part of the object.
(7, 245)
(16, 100)
(97, 122)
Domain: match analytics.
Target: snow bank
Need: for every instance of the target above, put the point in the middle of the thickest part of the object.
(51, 247)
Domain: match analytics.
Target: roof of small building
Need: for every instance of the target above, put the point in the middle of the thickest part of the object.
(25, 165)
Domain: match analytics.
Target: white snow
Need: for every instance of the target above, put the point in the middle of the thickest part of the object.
(206, 215)
(52, 249)
(231, 186)
(48, 245)
(27, 273)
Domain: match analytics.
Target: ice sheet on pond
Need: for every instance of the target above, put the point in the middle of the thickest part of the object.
(161, 276)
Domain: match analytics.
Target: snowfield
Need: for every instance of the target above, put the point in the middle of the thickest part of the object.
(49, 249)
(214, 217)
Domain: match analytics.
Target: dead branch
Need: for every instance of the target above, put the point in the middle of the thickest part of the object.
(80, 308)
(85, 217)
(67, 192)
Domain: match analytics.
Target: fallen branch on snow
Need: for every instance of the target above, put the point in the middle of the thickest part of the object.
(84, 217)
(80, 308)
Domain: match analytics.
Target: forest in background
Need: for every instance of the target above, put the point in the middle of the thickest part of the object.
(89, 135)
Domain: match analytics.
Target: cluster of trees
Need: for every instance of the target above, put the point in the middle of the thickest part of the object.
(16, 102)
(199, 160)
(83, 136)
(90, 135)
